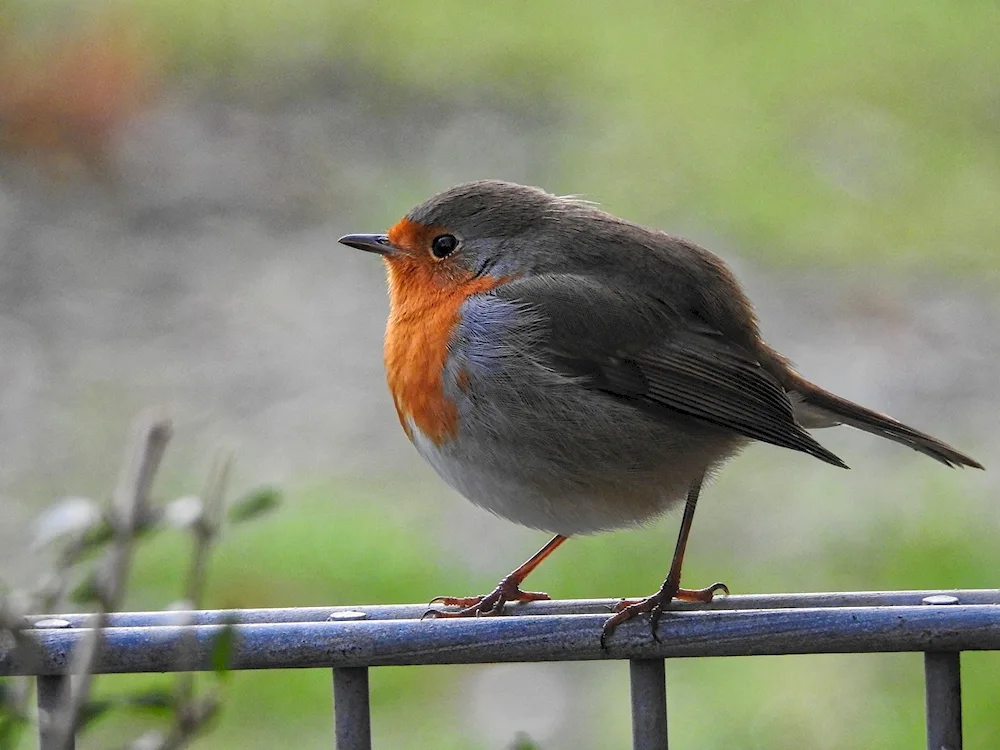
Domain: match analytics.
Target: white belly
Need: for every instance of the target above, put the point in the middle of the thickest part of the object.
(541, 503)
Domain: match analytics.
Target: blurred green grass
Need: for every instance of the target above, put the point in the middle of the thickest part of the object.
(805, 133)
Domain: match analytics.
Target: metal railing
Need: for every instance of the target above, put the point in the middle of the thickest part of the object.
(351, 640)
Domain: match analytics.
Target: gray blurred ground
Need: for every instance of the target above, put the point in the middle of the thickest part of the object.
(206, 278)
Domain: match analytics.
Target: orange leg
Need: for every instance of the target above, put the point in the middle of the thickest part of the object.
(671, 588)
(508, 590)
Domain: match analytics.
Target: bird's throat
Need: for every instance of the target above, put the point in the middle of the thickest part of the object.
(424, 309)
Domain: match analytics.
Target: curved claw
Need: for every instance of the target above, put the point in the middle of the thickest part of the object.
(704, 595)
(473, 611)
(483, 606)
(628, 609)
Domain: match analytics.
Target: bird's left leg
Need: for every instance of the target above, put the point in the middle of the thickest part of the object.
(508, 590)
(627, 609)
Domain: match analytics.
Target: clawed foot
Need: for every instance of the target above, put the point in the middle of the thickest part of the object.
(483, 606)
(628, 609)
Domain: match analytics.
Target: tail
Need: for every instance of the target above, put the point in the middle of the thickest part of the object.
(816, 407)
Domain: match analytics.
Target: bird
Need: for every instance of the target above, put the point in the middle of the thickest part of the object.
(575, 372)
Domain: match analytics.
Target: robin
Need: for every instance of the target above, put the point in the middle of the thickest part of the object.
(575, 372)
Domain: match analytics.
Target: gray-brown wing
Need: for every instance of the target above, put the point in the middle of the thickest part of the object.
(640, 349)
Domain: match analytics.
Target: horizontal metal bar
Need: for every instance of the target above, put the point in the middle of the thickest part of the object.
(557, 607)
(525, 638)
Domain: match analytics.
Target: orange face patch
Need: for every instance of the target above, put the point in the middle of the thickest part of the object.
(413, 237)
(424, 299)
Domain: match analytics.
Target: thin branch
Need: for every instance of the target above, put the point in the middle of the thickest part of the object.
(192, 712)
(129, 512)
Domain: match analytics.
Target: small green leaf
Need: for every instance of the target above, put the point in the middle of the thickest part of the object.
(222, 650)
(155, 700)
(254, 503)
(88, 590)
(523, 742)
(98, 536)
(91, 711)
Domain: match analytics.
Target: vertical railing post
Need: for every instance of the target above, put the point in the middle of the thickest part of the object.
(52, 695)
(352, 714)
(649, 704)
(943, 690)
(53, 691)
(351, 708)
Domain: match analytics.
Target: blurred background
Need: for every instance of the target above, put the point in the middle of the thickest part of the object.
(173, 178)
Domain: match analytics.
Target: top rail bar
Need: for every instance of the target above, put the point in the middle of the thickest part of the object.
(286, 645)
(557, 607)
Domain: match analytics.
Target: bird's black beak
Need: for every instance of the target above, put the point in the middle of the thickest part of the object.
(370, 243)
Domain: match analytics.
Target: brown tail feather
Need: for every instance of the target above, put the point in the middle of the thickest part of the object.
(847, 412)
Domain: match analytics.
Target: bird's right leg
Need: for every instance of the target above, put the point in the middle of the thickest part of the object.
(671, 589)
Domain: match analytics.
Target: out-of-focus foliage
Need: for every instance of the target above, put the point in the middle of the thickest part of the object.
(93, 546)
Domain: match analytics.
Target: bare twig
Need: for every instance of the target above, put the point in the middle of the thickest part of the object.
(100, 543)
(191, 712)
(206, 529)
(129, 511)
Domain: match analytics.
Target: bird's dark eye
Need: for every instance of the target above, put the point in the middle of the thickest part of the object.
(443, 245)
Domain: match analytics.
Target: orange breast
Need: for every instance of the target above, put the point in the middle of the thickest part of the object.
(424, 310)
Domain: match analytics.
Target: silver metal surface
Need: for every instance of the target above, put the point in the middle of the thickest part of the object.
(52, 691)
(344, 615)
(286, 645)
(943, 691)
(352, 714)
(648, 682)
(558, 607)
(939, 599)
